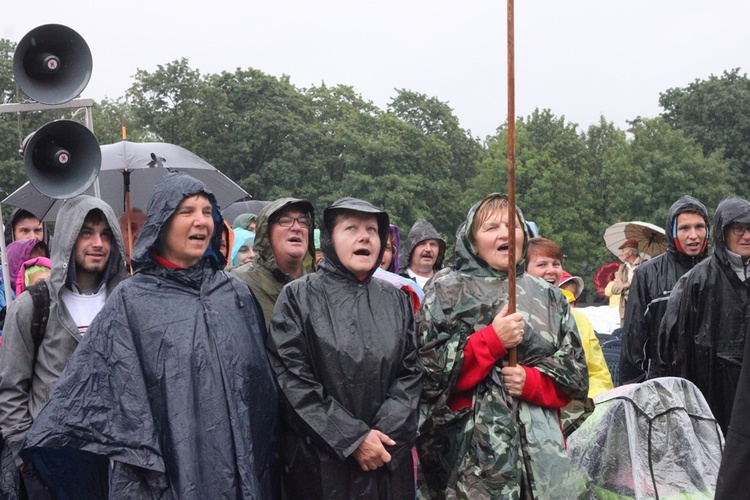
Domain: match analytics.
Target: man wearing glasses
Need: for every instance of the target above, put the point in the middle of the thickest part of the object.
(703, 334)
(282, 243)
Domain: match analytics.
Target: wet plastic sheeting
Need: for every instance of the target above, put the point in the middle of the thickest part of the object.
(657, 439)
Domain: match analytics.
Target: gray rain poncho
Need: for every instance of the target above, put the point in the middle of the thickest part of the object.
(171, 382)
(657, 439)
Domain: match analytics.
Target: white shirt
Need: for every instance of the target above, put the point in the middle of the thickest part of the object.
(421, 281)
(631, 268)
(83, 308)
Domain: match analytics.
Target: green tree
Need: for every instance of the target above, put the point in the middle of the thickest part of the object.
(437, 156)
(574, 185)
(260, 129)
(110, 116)
(670, 165)
(435, 119)
(168, 102)
(716, 113)
(553, 179)
(611, 175)
(11, 164)
(7, 82)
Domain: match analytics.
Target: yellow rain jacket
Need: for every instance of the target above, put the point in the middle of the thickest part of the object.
(600, 379)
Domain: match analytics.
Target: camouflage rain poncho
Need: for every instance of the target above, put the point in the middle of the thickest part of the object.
(490, 449)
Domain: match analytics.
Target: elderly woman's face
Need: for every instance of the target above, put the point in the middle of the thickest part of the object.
(357, 243)
(491, 240)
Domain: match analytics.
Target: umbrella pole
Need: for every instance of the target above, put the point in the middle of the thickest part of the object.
(126, 182)
(6, 271)
(511, 175)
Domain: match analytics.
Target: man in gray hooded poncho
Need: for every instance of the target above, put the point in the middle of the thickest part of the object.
(87, 264)
(422, 253)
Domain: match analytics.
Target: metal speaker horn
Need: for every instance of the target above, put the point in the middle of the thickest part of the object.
(52, 64)
(62, 159)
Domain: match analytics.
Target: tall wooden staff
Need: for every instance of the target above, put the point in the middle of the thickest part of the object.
(511, 176)
(126, 183)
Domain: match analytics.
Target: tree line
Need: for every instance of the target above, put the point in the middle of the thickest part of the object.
(414, 159)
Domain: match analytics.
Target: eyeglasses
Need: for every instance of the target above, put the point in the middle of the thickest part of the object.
(286, 221)
(740, 229)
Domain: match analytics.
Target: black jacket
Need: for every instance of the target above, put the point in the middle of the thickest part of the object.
(171, 381)
(647, 302)
(344, 354)
(702, 336)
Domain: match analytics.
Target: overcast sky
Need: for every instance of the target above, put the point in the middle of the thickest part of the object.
(580, 58)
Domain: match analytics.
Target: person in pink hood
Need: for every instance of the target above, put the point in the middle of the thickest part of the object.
(27, 255)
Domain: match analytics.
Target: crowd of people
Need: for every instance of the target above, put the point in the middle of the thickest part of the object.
(169, 354)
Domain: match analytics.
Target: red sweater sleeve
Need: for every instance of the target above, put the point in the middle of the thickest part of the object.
(481, 352)
(541, 390)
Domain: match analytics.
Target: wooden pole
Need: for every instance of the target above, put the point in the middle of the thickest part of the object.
(129, 235)
(511, 174)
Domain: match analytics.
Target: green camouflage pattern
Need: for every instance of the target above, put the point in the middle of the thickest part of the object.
(501, 447)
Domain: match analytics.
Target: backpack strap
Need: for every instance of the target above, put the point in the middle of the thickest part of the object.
(40, 297)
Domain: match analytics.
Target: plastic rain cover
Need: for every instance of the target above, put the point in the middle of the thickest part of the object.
(657, 439)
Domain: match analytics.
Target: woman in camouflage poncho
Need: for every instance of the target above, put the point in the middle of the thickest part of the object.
(493, 431)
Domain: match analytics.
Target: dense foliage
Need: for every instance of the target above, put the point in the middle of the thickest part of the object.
(415, 160)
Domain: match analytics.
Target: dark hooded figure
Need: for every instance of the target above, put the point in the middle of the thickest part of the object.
(733, 476)
(172, 384)
(343, 348)
(422, 253)
(687, 245)
(702, 336)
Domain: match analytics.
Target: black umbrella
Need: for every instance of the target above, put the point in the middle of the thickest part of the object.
(243, 207)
